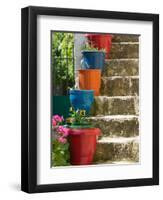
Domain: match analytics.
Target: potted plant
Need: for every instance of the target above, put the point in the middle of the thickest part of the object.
(92, 58)
(81, 99)
(82, 137)
(100, 41)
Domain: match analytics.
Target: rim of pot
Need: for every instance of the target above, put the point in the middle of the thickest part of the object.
(78, 90)
(99, 34)
(81, 127)
(90, 69)
(93, 51)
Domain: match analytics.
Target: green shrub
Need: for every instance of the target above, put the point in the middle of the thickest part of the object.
(62, 61)
(60, 154)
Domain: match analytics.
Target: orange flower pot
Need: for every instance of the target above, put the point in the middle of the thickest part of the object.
(90, 79)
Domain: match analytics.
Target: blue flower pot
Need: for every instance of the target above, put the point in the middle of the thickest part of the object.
(93, 60)
(82, 99)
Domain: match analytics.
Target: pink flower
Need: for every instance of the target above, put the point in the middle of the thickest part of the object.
(54, 123)
(62, 130)
(65, 132)
(58, 118)
(62, 140)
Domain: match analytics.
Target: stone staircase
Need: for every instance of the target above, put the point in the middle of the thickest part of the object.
(116, 110)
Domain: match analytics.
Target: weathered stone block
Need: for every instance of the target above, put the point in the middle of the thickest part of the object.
(117, 126)
(120, 86)
(125, 38)
(134, 87)
(104, 105)
(117, 149)
(124, 50)
(121, 67)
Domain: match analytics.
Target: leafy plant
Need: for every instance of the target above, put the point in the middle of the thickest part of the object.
(90, 47)
(60, 154)
(62, 61)
(78, 117)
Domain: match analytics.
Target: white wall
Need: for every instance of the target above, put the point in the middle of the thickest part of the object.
(10, 41)
(79, 41)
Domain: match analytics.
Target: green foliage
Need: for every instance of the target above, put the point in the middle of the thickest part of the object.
(78, 117)
(60, 154)
(90, 47)
(62, 59)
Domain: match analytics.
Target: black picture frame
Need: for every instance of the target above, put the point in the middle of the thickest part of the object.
(29, 99)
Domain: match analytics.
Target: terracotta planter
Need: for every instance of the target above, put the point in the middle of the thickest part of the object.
(90, 79)
(82, 145)
(100, 41)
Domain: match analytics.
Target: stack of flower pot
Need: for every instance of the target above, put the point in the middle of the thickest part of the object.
(83, 139)
(93, 62)
(92, 65)
(90, 75)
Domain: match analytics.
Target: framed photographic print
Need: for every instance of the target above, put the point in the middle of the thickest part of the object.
(90, 99)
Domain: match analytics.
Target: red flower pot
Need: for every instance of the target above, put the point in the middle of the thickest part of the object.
(100, 41)
(82, 145)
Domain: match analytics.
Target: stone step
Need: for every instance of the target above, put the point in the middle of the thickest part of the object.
(121, 67)
(116, 149)
(124, 50)
(117, 125)
(120, 105)
(116, 162)
(120, 86)
(125, 38)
